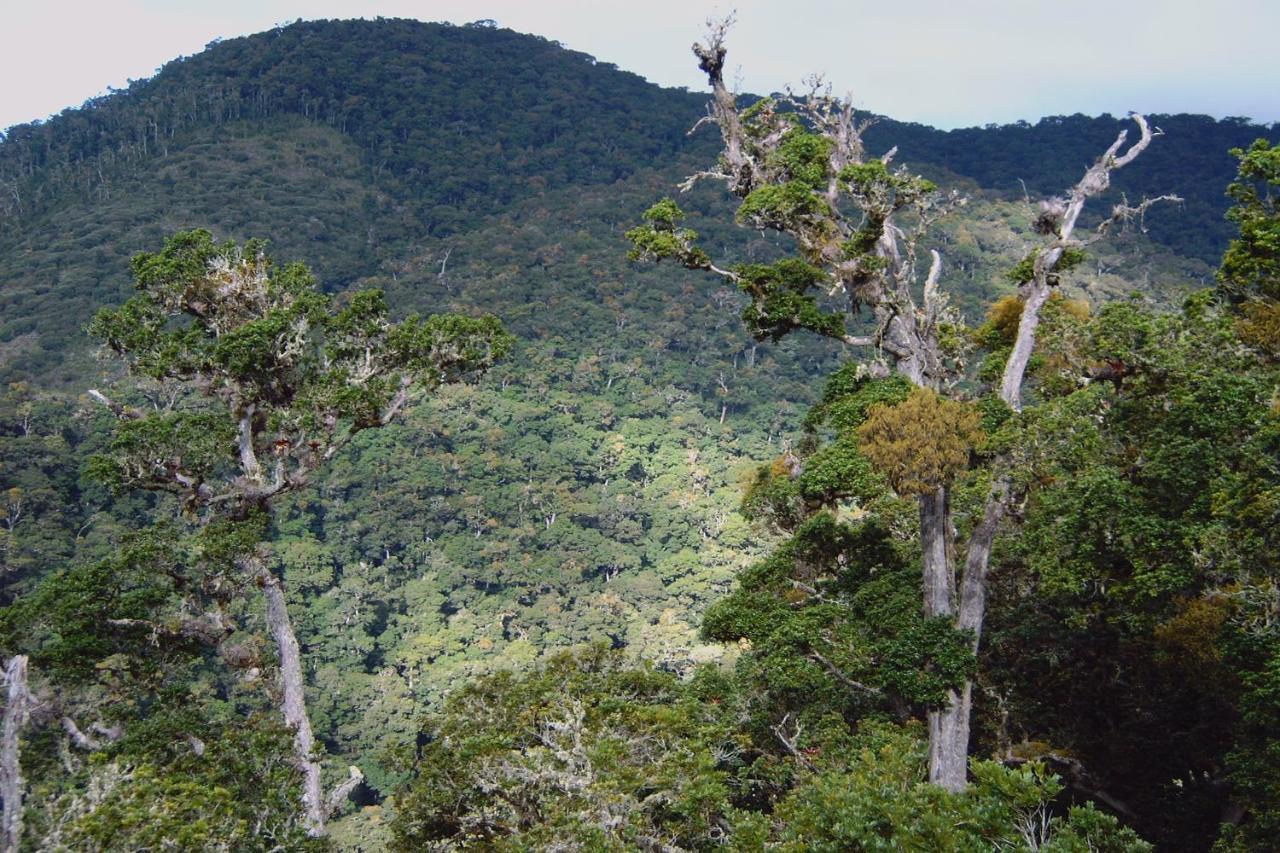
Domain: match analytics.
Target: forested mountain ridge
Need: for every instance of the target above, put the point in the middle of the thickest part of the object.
(446, 127)
(588, 489)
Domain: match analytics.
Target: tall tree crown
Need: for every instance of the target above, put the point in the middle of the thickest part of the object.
(298, 374)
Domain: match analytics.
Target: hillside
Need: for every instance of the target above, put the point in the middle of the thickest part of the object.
(296, 136)
(588, 488)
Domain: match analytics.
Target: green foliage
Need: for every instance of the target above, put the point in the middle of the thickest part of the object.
(591, 495)
(1025, 270)
(774, 496)
(780, 300)
(296, 377)
(1148, 540)
(588, 750)
(661, 237)
(1251, 265)
(155, 791)
(195, 442)
(782, 206)
(839, 471)
(842, 596)
(881, 801)
(65, 624)
(803, 157)
(1250, 271)
(584, 750)
(873, 181)
(849, 395)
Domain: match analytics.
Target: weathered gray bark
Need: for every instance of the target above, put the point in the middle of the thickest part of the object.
(293, 702)
(973, 587)
(948, 726)
(1062, 224)
(949, 740)
(935, 542)
(343, 790)
(15, 717)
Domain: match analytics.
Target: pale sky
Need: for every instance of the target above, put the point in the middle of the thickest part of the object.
(947, 64)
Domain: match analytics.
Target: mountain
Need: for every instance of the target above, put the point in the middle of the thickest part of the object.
(588, 488)
(347, 143)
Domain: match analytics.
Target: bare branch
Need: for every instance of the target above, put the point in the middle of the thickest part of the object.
(340, 793)
(788, 741)
(1122, 214)
(844, 679)
(691, 181)
(932, 298)
(124, 413)
(84, 741)
(397, 402)
(248, 459)
(1036, 292)
(211, 628)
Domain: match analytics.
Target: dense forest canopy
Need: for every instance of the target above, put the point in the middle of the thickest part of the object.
(653, 581)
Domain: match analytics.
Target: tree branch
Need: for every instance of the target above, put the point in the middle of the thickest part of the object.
(1060, 218)
(340, 793)
(842, 678)
(84, 741)
(248, 459)
(124, 413)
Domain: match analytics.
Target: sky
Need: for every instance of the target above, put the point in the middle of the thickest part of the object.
(948, 63)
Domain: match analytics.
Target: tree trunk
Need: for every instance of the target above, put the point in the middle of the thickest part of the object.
(949, 741)
(973, 588)
(935, 542)
(293, 701)
(1016, 367)
(15, 717)
(949, 727)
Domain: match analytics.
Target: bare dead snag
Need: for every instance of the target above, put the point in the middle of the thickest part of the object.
(15, 718)
(1058, 218)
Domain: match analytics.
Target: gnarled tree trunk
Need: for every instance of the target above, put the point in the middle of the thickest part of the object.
(949, 728)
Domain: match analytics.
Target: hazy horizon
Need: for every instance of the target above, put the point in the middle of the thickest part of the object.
(991, 62)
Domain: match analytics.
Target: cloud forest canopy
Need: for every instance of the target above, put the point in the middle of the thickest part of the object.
(587, 489)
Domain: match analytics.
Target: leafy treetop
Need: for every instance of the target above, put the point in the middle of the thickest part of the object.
(299, 375)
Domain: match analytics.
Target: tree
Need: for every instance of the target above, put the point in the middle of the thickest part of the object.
(1250, 272)
(267, 379)
(799, 166)
(590, 751)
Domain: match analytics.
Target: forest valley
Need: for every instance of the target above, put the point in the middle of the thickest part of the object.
(500, 531)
